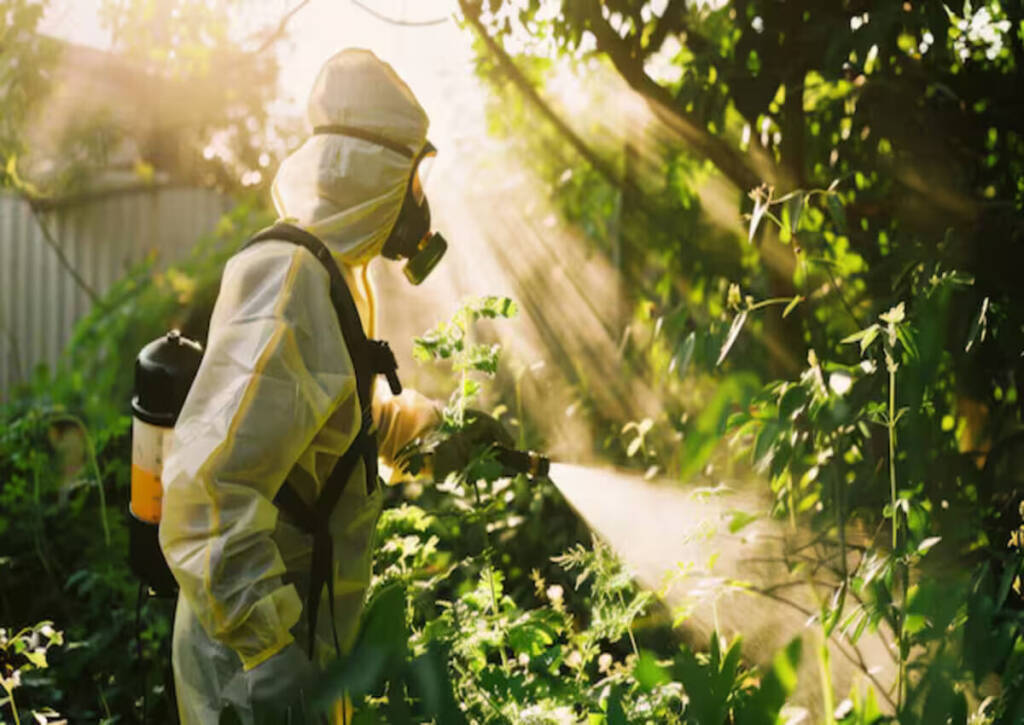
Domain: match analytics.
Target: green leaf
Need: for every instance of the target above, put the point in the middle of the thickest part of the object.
(493, 306)
(795, 207)
(906, 336)
(730, 666)
(979, 328)
(529, 638)
(792, 402)
(807, 502)
(648, 673)
(895, 315)
(760, 207)
(837, 212)
(739, 520)
(867, 710)
(684, 355)
(765, 443)
(865, 337)
(613, 707)
(762, 707)
(379, 654)
(856, 337)
(792, 305)
(709, 682)
(431, 683)
(927, 544)
(734, 331)
(36, 657)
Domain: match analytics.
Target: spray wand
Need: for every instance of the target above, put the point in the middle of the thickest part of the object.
(514, 461)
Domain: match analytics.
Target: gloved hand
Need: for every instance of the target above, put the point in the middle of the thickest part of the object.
(277, 686)
(457, 451)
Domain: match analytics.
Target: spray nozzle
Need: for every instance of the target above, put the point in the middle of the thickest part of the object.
(514, 461)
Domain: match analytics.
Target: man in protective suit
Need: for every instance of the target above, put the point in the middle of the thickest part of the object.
(275, 401)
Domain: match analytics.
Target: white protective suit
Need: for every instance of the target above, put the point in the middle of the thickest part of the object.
(275, 399)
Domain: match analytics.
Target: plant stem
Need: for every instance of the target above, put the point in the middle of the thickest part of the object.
(827, 699)
(58, 250)
(792, 502)
(90, 450)
(39, 529)
(824, 661)
(771, 301)
(629, 629)
(519, 409)
(14, 708)
(841, 531)
(490, 575)
(901, 613)
(892, 458)
(103, 701)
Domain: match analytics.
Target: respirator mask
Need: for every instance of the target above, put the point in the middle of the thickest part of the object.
(411, 238)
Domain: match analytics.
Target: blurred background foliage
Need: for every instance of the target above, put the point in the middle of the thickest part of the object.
(178, 99)
(813, 213)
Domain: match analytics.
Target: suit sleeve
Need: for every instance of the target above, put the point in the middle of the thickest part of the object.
(274, 370)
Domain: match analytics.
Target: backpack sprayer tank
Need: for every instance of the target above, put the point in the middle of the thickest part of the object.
(164, 371)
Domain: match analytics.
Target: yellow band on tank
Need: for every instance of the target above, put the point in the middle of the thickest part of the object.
(147, 495)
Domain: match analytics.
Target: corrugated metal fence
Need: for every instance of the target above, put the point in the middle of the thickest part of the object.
(101, 237)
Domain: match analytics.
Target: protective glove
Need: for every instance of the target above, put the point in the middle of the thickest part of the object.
(455, 453)
(277, 686)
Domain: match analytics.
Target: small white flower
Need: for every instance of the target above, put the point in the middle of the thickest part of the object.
(46, 630)
(840, 383)
(604, 662)
(575, 659)
(555, 593)
(524, 659)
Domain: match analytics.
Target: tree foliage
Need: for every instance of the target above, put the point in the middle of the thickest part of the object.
(875, 154)
(26, 60)
(182, 98)
(213, 125)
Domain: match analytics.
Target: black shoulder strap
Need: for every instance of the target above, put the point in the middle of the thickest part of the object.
(369, 358)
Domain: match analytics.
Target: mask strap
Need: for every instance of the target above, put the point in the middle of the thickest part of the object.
(354, 132)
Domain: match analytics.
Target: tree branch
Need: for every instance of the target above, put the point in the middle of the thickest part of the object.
(729, 161)
(508, 66)
(397, 21)
(671, 21)
(59, 251)
(793, 135)
(281, 29)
